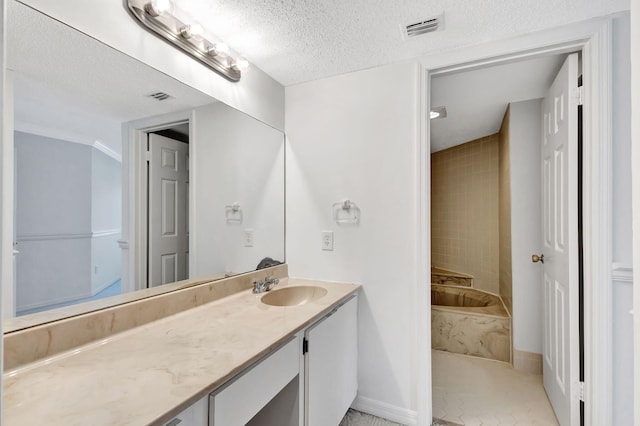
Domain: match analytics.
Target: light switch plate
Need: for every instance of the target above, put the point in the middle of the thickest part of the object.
(327, 240)
(248, 237)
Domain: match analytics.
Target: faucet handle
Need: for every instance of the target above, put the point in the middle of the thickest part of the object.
(258, 286)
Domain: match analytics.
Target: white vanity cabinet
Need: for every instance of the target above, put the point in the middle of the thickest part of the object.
(311, 380)
(272, 381)
(331, 365)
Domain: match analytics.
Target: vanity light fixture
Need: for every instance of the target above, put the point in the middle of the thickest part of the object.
(192, 31)
(157, 8)
(437, 112)
(239, 64)
(218, 49)
(158, 17)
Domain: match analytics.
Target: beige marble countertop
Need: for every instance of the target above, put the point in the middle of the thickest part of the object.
(31, 320)
(150, 373)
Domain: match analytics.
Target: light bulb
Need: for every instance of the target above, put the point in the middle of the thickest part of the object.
(157, 8)
(434, 114)
(194, 31)
(240, 64)
(218, 49)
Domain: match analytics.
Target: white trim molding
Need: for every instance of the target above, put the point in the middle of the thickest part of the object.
(105, 149)
(69, 236)
(134, 190)
(422, 304)
(597, 226)
(105, 233)
(622, 273)
(635, 194)
(385, 411)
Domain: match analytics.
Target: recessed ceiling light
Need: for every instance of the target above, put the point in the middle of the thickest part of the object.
(438, 112)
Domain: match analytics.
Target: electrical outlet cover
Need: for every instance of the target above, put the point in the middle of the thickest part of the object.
(327, 240)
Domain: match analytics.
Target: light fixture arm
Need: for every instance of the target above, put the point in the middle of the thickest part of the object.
(170, 28)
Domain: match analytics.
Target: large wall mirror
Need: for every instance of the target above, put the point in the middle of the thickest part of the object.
(127, 181)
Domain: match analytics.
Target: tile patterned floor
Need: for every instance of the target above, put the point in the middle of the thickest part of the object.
(475, 391)
(356, 418)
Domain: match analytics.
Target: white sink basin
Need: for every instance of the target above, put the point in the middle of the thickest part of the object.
(293, 296)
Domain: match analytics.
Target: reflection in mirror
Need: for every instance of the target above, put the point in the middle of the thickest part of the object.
(215, 188)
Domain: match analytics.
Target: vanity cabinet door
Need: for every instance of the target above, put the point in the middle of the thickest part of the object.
(331, 365)
(195, 415)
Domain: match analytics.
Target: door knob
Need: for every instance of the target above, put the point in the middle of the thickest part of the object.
(535, 258)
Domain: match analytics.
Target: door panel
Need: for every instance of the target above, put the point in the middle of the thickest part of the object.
(331, 366)
(168, 210)
(560, 242)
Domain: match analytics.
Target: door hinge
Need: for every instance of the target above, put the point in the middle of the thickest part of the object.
(580, 391)
(579, 93)
(147, 156)
(305, 346)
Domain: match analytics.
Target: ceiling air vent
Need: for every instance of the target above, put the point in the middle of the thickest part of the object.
(423, 26)
(160, 96)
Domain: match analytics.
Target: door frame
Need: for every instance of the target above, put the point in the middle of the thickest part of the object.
(594, 39)
(134, 189)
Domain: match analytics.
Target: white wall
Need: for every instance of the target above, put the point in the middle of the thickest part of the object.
(53, 220)
(621, 129)
(526, 228)
(68, 214)
(355, 136)
(235, 158)
(106, 220)
(622, 291)
(109, 22)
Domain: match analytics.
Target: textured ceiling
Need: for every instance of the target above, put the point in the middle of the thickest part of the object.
(477, 100)
(74, 85)
(300, 40)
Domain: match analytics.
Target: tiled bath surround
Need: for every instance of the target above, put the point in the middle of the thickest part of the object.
(482, 328)
(464, 210)
(444, 277)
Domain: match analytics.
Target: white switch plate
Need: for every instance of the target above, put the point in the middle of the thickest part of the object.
(327, 240)
(248, 237)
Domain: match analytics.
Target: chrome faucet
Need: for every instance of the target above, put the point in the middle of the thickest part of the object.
(266, 285)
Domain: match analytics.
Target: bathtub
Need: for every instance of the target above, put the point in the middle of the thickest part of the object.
(471, 322)
(448, 277)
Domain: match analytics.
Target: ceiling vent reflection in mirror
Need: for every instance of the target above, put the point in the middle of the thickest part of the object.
(160, 96)
(158, 16)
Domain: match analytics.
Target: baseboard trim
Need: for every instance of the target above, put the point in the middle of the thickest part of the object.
(386, 411)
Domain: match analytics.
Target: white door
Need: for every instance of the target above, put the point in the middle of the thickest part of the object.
(168, 210)
(560, 243)
(331, 365)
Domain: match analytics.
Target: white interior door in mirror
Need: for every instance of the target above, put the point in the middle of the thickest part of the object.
(168, 210)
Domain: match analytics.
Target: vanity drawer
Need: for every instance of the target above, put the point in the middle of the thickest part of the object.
(195, 415)
(243, 398)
